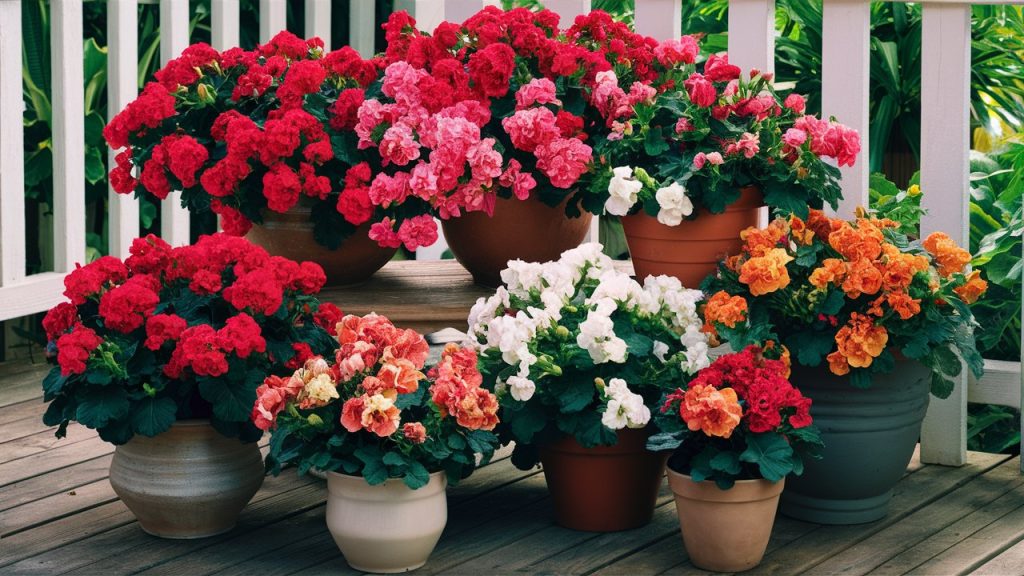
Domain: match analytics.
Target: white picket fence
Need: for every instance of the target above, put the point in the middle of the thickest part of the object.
(945, 128)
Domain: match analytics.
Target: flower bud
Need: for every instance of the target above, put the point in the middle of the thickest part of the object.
(314, 420)
(599, 384)
(563, 333)
(206, 93)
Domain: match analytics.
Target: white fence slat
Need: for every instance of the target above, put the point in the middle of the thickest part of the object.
(752, 34)
(122, 88)
(12, 155)
(34, 293)
(273, 18)
(428, 13)
(361, 29)
(568, 10)
(174, 32)
(224, 28)
(660, 19)
(67, 64)
(945, 141)
(460, 10)
(1000, 384)
(318, 21)
(845, 80)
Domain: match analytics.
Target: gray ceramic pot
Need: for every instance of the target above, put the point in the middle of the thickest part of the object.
(869, 437)
(189, 482)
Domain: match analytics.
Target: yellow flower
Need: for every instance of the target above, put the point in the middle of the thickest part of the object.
(914, 190)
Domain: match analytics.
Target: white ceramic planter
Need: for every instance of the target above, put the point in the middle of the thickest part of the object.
(189, 482)
(386, 528)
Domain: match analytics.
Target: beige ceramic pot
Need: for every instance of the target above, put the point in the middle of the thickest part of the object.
(725, 530)
(189, 482)
(386, 528)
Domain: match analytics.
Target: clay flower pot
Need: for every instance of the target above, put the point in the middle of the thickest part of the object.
(291, 235)
(189, 482)
(605, 488)
(527, 230)
(690, 251)
(869, 437)
(725, 530)
(389, 527)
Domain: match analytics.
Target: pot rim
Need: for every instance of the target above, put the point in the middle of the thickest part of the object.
(749, 490)
(353, 476)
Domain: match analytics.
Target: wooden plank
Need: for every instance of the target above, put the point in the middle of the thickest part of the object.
(122, 88)
(752, 34)
(15, 450)
(174, 38)
(948, 511)
(912, 492)
(945, 141)
(56, 507)
(53, 459)
(65, 480)
(23, 382)
(40, 551)
(845, 84)
(224, 27)
(25, 410)
(22, 428)
(12, 155)
(1010, 562)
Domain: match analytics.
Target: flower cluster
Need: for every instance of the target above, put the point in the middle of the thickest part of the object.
(850, 293)
(739, 418)
(578, 347)
(185, 332)
(375, 412)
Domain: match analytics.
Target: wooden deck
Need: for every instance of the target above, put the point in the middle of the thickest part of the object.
(58, 515)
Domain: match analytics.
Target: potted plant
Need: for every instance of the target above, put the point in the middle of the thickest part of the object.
(690, 167)
(736, 431)
(162, 354)
(873, 320)
(257, 138)
(389, 437)
(577, 353)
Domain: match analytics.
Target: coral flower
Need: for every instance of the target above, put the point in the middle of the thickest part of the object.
(972, 289)
(400, 374)
(710, 410)
(861, 341)
(380, 416)
(766, 274)
(950, 257)
(725, 309)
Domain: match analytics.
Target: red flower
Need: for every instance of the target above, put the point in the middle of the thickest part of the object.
(231, 220)
(86, 281)
(282, 187)
(258, 291)
(343, 111)
(327, 316)
(149, 255)
(302, 352)
(163, 327)
(126, 307)
(718, 69)
(205, 282)
(74, 348)
(242, 335)
(59, 319)
(701, 91)
(185, 156)
(121, 179)
(491, 69)
(149, 110)
(198, 349)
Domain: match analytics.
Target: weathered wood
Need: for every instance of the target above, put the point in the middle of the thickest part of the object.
(20, 382)
(65, 480)
(56, 507)
(60, 456)
(41, 442)
(1009, 563)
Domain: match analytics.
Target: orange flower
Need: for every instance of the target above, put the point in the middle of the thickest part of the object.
(710, 410)
(862, 278)
(903, 304)
(832, 271)
(899, 269)
(822, 225)
(766, 274)
(801, 233)
(478, 410)
(860, 341)
(864, 241)
(724, 309)
(761, 241)
(972, 289)
(837, 364)
(400, 374)
(950, 257)
(733, 262)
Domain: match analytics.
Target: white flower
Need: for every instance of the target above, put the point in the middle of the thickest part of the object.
(321, 389)
(659, 349)
(617, 287)
(622, 191)
(637, 414)
(484, 311)
(675, 204)
(597, 337)
(624, 409)
(614, 416)
(522, 388)
(522, 277)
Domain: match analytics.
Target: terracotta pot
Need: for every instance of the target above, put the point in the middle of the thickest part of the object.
(725, 530)
(519, 230)
(386, 528)
(869, 436)
(690, 251)
(189, 482)
(291, 235)
(605, 488)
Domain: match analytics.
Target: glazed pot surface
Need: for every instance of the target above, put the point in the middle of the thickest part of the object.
(725, 530)
(387, 528)
(188, 482)
(526, 230)
(291, 235)
(605, 488)
(869, 437)
(690, 251)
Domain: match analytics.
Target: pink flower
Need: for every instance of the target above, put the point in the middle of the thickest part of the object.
(398, 146)
(831, 139)
(796, 103)
(401, 82)
(563, 161)
(384, 233)
(520, 182)
(414, 432)
(418, 231)
(371, 114)
(537, 91)
(531, 128)
(684, 125)
(385, 190)
(794, 137)
(715, 158)
(718, 69)
(423, 181)
(674, 51)
(484, 160)
(748, 145)
(701, 90)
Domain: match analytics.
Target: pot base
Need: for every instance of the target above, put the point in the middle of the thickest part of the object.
(835, 512)
(162, 532)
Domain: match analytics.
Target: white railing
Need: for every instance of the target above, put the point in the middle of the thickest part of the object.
(945, 72)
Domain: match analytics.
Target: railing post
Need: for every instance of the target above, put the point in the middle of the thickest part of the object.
(318, 21)
(752, 34)
(12, 142)
(945, 133)
(273, 18)
(845, 85)
(122, 88)
(361, 28)
(174, 22)
(224, 23)
(660, 19)
(68, 134)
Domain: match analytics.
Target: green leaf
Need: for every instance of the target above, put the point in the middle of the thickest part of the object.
(654, 142)
(577, 394)
(663, 441)
(393, 459)
(101, 405)
(860, 378)
(810, 347)
(151, 416)
(95, 170)
(526, 422)
(771, 453)
(374, 470)
(417, 475)
(727, 462)
(917, 346)
(833, 303)
(54, 382)
(232, 399)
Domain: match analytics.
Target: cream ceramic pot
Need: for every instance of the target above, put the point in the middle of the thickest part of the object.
(386, 528)
(188, 482)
